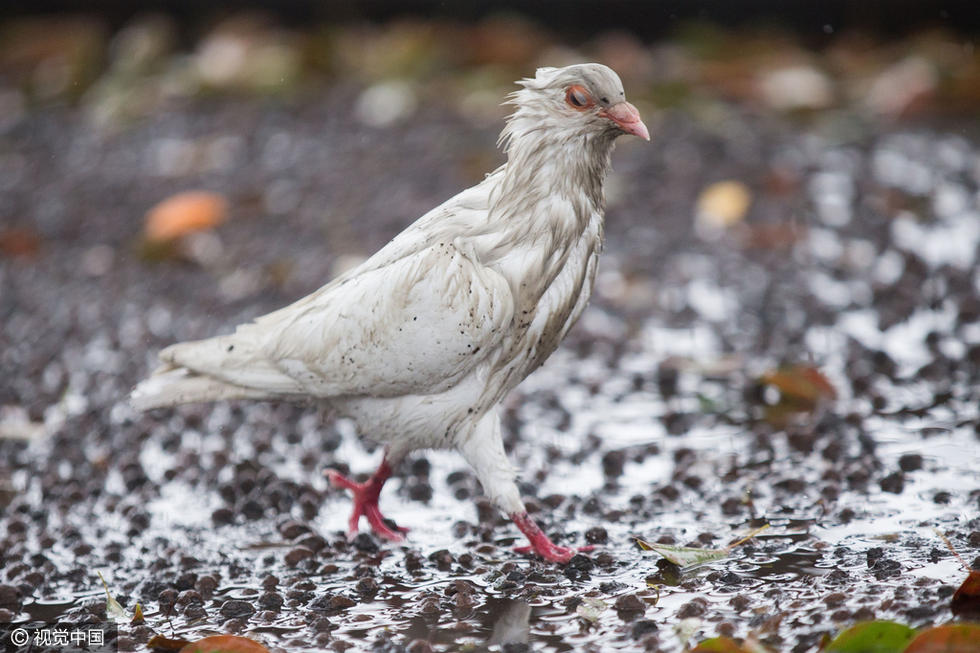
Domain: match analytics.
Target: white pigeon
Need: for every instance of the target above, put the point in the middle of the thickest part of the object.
(420, 343)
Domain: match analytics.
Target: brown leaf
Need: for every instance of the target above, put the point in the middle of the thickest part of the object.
(19, 243)
(948, 638)
(783, 235)
(224, 644)
(184, 213)
(966, 599)
(801, 384)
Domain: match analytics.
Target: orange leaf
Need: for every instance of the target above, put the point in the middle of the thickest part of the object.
(723, 204)
(184, 213)
(966, 599)
(224, 644)
(19, 242)
(801, 383)
(949, 638)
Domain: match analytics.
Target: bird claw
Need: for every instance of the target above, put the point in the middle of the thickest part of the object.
(541, 544)
(366, 504)
(554, 553)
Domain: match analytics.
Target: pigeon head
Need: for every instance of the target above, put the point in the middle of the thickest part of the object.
(584, 99)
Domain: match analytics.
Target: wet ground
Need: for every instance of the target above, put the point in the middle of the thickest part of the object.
(858, 258)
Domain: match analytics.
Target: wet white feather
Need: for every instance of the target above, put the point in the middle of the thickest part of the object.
(420, 343)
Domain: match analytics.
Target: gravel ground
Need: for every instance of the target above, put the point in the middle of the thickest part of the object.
(858, 257)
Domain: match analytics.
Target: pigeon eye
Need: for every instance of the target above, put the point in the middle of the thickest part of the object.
(578, 98)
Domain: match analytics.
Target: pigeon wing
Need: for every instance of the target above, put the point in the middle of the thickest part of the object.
(414, 326)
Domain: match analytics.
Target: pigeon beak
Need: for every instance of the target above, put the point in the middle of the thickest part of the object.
(626, 118)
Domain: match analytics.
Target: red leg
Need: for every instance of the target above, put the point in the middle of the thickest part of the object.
(541, 544)
(366, 502)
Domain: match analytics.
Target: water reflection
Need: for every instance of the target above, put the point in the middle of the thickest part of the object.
(511, 621)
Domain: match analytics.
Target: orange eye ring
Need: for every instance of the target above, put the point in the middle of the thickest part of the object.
(578, 98)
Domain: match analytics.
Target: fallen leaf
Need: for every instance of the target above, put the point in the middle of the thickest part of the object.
(722, 205)
(948, 638)
(138, 619)
(113, 610)
(224, 644)
(685, 556)
(19, 243)
(184, 213)
(719, 645)
(803, 384)
(966, 599)
(872, 637)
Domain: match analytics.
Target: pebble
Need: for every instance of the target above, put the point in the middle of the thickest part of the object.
(910, 462)
(630, 603)
(643, 627)
(596, 535)
(10, 597)
(297, 555)
(270, 601)
(234, 608)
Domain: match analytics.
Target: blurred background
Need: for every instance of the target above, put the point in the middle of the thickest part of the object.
(120, 60)
(786, 314)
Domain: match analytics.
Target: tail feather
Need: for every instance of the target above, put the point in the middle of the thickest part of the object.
(170, 386)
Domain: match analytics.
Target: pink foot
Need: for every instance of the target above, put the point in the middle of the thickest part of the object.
(366, 502)
(541, 544)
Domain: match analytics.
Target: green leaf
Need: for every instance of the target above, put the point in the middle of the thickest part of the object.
(872, 637)
(719, 645)
(684, 556)
(113, 610)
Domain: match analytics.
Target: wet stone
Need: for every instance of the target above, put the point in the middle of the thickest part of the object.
(365, 543)
(331, 603)
(910, 462)
(367, 587)
(312, 542)
(195, 611)
(188, 597)
(290, 530)
(206, 585)
(630, 603)
(694, 608)
(612, 464)
(419, 646)
(270, 601)
(643, 627)
(834, 599)
(222, 516)
(9, 597)
(297, 555)
(596, 535)
(442, 558)
(893, 483)
(234, 608)
(270, 582)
